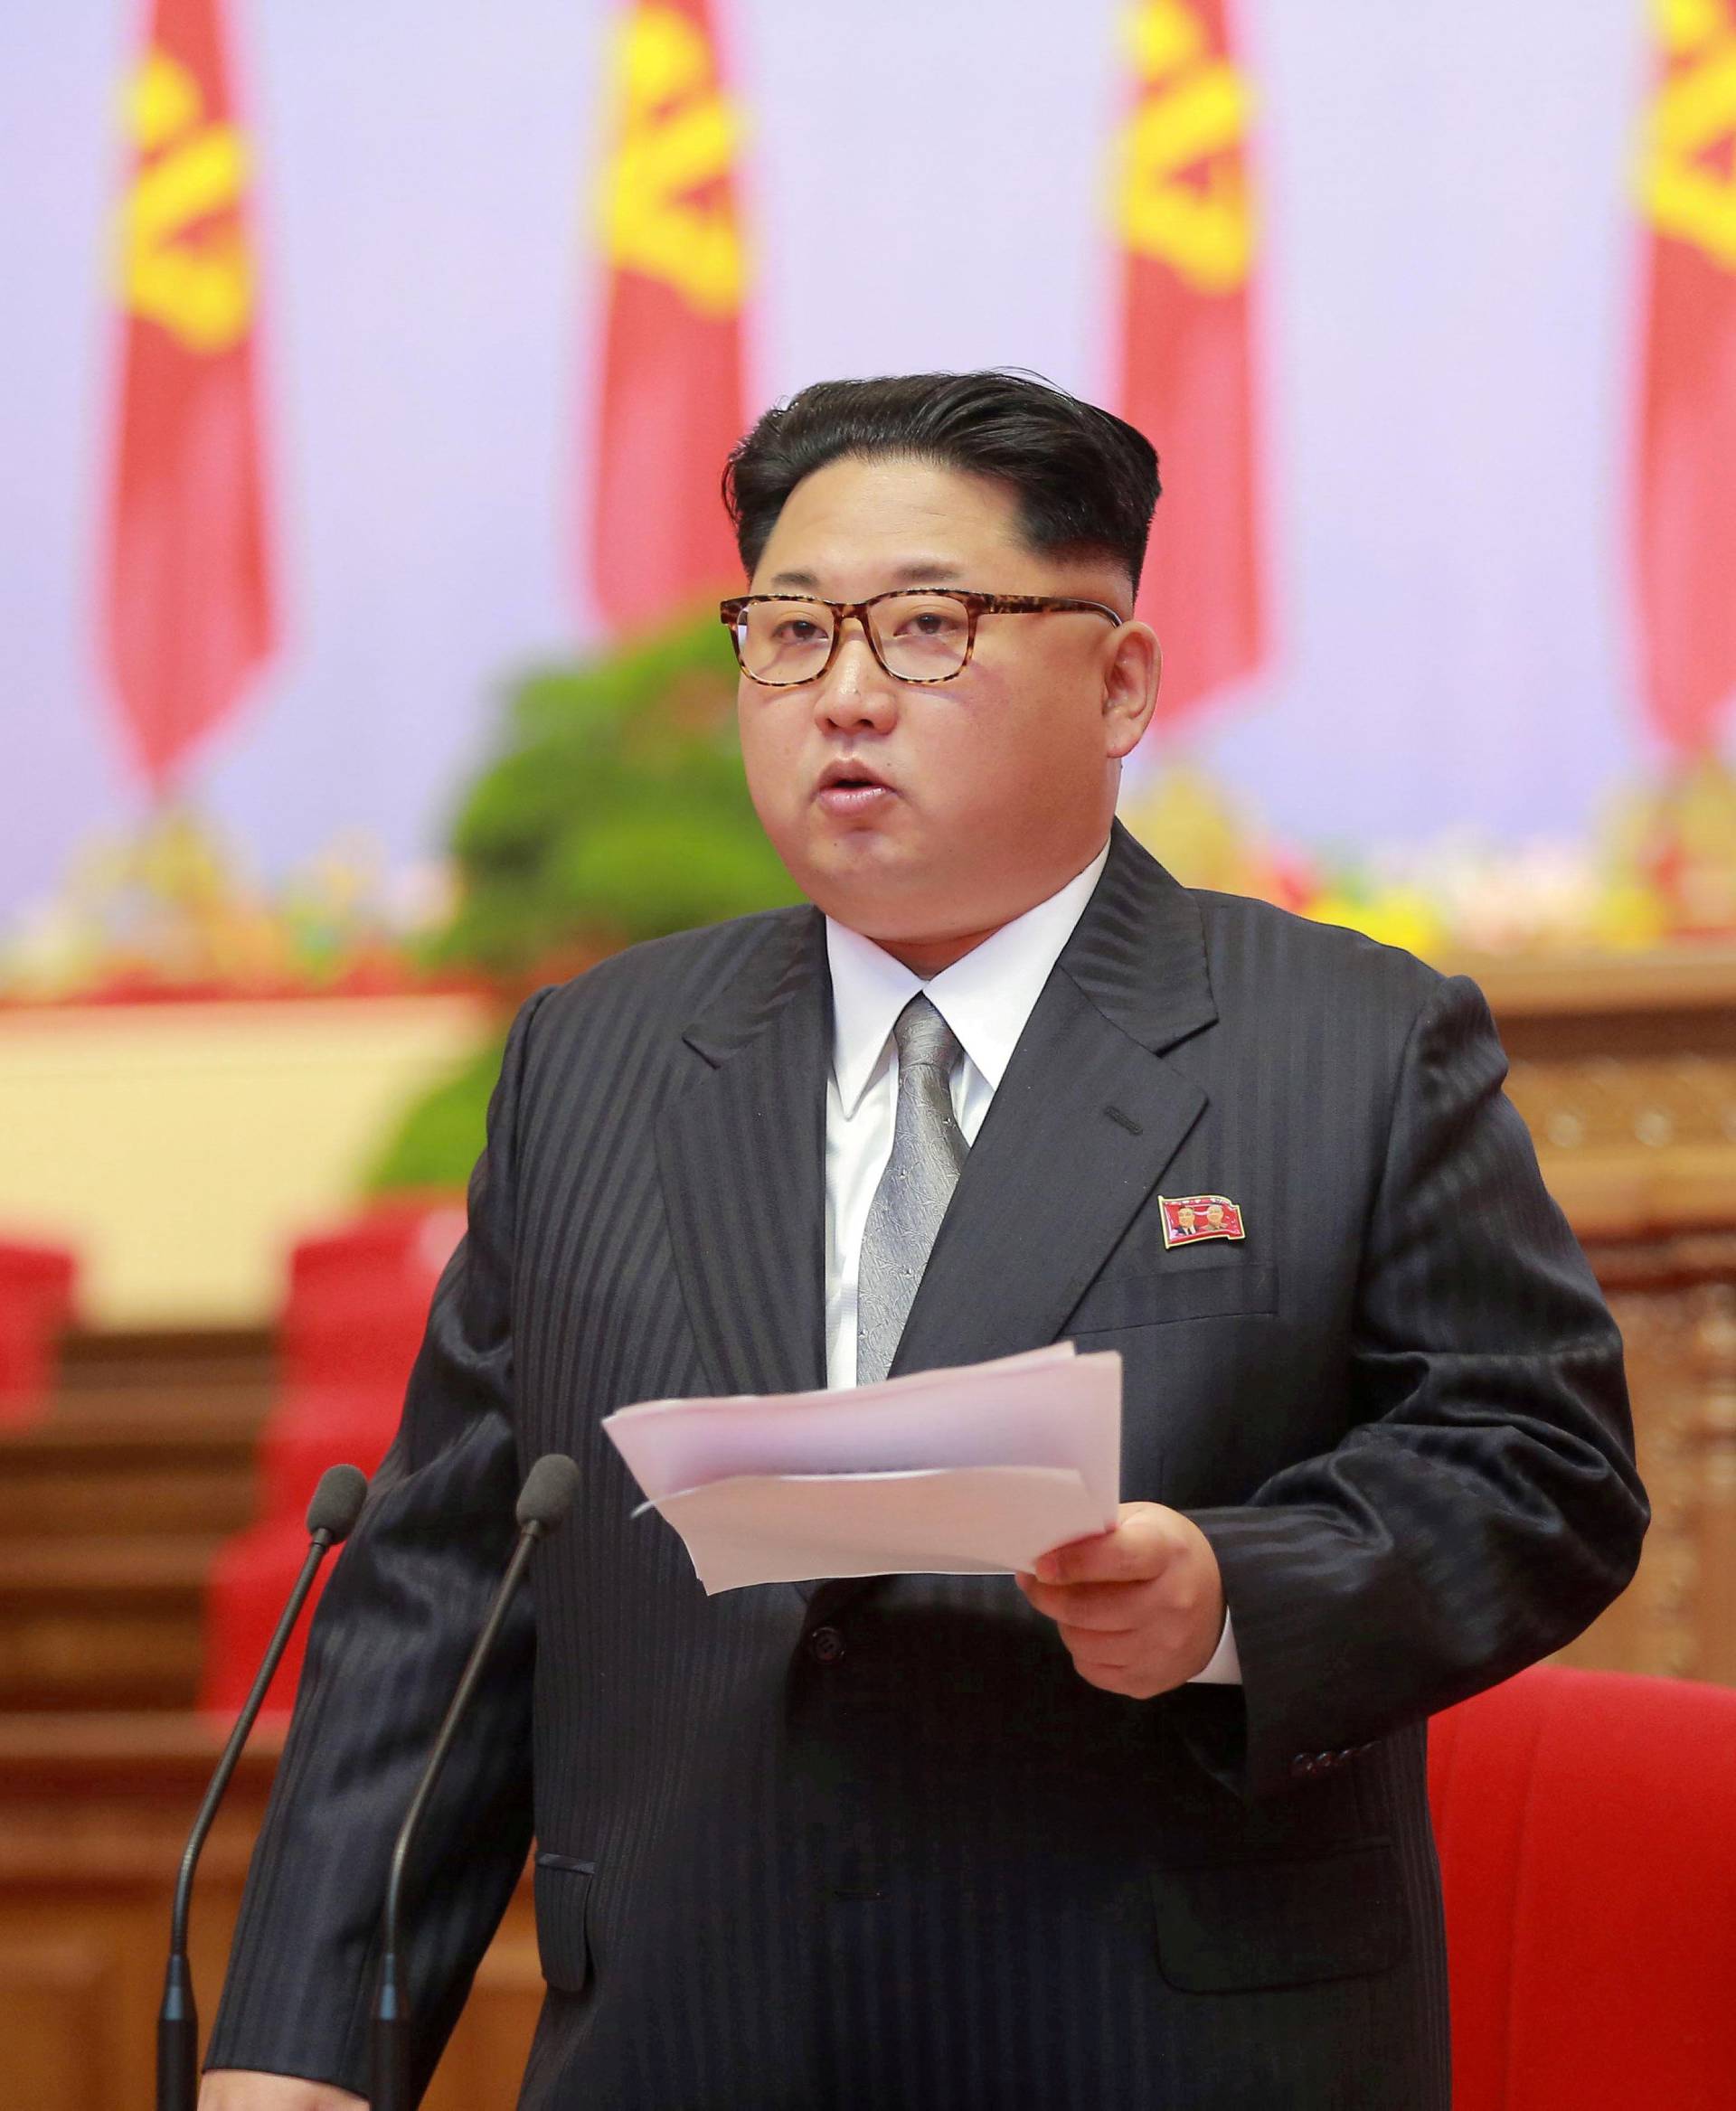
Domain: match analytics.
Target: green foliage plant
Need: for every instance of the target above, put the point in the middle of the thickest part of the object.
(614, 809)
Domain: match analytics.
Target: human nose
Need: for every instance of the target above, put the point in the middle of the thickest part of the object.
(857, 690)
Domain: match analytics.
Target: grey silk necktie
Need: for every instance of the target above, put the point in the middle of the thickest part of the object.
(928, 1150)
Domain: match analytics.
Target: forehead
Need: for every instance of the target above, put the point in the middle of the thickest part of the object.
(853, 525)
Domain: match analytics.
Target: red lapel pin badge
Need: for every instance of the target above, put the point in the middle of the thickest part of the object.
(1188, 1219)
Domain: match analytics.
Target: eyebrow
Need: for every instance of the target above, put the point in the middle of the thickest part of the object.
(921, 571)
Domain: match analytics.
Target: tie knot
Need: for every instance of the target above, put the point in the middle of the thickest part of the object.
(923, 1037)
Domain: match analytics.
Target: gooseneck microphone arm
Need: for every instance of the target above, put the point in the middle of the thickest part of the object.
(544, 1503)
(331, 1515)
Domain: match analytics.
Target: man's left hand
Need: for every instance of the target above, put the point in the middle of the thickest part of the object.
(1140, 1606)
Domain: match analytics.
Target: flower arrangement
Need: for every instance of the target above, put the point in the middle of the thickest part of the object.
(173, 913)
(1660, 872)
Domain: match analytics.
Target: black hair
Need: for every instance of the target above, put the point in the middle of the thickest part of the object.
(1086, 481)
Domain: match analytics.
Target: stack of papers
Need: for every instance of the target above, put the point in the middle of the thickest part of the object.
(968, 1471)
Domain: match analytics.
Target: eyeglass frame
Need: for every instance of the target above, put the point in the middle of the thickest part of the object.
(976, 605)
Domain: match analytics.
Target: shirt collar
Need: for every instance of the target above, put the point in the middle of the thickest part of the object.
(985, 998)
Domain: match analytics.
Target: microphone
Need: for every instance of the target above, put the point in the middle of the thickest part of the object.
(331, 1517)
(543, 1502)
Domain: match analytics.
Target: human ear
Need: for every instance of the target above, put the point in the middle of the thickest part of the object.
(1131, 676)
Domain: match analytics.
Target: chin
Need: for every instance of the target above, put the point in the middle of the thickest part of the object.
(861, 856)
(891, 914)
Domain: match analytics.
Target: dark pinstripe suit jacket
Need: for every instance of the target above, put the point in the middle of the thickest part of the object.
(924, 1865)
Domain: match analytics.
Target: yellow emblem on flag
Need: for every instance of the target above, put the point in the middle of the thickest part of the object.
(1692, 128)
(678, 133)
(183, 257)
(1182, 190)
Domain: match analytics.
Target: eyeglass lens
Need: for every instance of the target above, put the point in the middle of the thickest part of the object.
(919, 637)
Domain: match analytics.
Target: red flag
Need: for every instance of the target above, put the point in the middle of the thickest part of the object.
(188, 602)
(1686, 500)
(1185, 221)
(670, 402)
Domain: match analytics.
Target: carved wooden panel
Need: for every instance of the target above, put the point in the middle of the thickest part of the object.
(1609, 1102)
(1676, 1302)
(59, 2025)
(1626, 1074)
(93, 1813)
(486, 2060)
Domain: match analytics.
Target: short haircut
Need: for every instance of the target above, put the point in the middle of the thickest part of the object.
(1086, 481)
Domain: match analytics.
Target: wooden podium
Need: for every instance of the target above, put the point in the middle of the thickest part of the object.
(94, 1809)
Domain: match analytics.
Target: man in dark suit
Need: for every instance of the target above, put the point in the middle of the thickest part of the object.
(1148, 1828)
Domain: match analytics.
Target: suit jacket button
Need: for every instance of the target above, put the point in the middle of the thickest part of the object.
(826, 1645)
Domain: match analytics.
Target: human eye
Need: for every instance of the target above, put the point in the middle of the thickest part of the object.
(929, 616)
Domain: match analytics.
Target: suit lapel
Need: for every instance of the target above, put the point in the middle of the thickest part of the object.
(1080, 1127)
(1079, 1132)
(742, 1152)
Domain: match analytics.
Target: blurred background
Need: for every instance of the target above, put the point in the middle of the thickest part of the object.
(366, 380)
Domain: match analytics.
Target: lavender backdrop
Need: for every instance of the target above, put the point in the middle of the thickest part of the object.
(1450, 326)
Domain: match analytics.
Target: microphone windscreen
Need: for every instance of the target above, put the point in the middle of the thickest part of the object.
(548, 1490)
(337, 1502)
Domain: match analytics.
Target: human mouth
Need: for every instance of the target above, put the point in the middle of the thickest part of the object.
(848, 790)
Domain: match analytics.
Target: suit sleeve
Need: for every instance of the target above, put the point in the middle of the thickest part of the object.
(1484, 1508)
(407, 1595)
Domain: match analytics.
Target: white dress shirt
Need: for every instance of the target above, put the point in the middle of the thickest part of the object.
(985, 998)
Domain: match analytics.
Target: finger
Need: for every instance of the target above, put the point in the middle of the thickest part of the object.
(1138, 1675)
(1106, 1678)
(1138, 1550)
(1050, 1565)
(1111, 1649)
(1096, 1604)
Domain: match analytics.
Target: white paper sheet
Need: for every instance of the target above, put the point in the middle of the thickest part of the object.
(975, 1470)
(955, 1520)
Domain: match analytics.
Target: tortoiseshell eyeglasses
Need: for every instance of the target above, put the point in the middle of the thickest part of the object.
(918, 633)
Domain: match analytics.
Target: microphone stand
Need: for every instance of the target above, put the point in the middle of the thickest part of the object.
(391, 2087)
(177, 2018)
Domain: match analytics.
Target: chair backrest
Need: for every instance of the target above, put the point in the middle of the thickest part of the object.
(359, 1295)
(36, 1297)
(353, 1320)
(1585, 1823)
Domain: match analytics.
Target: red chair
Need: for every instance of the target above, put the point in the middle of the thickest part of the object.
(352, 1324)
(1587, 1828)
(353, 1320)
(244, 1594)
(358, 1296)
(36, 1285)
